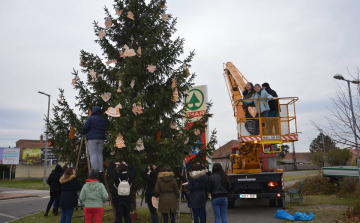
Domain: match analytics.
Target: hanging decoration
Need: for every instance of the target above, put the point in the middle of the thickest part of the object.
(106, 96)
(186, 141)
(122, 55)
(114, 112)
(101, 33)
(151, 68)
(73, 81)
(173, 125)
(158, 135)
(118, 89)
(93, 76)
(130, 15)
(129, 52)
(110, 62)
(82, 62)
(118, 12)
(72, 133)
(175, 95)
(132, 84)
(252, 111)
(139, 51)
(165, 17)
(137, 109)
(173, 84)
(187, 72)
(197, 132)
(108, 23)
(120, 142)
(139, 145)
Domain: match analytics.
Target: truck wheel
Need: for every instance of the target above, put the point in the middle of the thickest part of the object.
(272, 202)
(231, 204)
(281, 202)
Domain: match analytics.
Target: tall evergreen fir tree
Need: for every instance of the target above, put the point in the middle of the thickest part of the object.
(141, 79)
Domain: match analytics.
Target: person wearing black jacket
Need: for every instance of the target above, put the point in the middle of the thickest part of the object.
(122, 204)
(55, 189)
(273, 104)
(219, 185)
(150, 176)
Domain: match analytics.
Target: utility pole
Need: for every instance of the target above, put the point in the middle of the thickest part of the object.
(294, 155)
(46, 139)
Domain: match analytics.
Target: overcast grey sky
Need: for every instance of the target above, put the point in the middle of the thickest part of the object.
(296, 46)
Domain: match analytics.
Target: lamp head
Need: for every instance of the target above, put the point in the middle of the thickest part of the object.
(357, 81)
(339, 77)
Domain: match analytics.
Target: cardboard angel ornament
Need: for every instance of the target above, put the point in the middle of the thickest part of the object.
(114, 112)
(106, 96)
(139, 145)
(120, 142)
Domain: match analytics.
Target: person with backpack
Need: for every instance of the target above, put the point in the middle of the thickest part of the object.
(150, 176)
(94, 128)
(167, 190)
(219, 185)
(123, 177)
(55, 189)
(68, 198)
(197, 197)
(93, 194)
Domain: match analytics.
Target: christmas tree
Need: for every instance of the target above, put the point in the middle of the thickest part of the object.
(140, 82)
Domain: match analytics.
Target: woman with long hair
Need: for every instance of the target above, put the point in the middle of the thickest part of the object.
(167, 190)
(121, 202)
(68, 198)
(247, 94)
(219, 185)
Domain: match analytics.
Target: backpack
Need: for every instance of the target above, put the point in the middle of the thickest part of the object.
(123, 188)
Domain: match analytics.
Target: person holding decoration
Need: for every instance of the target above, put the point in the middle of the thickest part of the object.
(167, 190)
(123, 177)
(94, 128)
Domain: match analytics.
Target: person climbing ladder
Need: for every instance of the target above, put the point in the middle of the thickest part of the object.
(94, 128)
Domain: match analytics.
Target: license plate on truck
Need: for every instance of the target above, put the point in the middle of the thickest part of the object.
(247, 195)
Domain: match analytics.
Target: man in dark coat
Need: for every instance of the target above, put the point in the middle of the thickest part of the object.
(150, 176)
(94, 129)
(55, 189)
(273, 104)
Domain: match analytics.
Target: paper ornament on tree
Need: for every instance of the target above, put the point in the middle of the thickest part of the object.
(187, 72)
(151, 68)
(139, 145)
(73, 81)
(173, 84)
(186, 141)
(106, 96)
(93, 76)
(130, 15)
(129, 52)
(114, 112)
(119, 90)
(107, 23)
(252, 111)
(165, 17)
(118, 12)
(139, 51)
(132, 84)
(119, 142)
(175, 95)
(197, 132)
(72, 133)
(110, 62)
(137, 109)
(173, 125)
(122, 55)
(101, 34)
(82, 62)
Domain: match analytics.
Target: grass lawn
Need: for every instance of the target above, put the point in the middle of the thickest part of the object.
(26, 184)
(326, 208)
(298, 177)
(143, 215)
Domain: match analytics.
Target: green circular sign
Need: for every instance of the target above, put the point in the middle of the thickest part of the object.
(195, 103)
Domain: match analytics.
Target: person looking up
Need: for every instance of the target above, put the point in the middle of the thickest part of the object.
(150, 175)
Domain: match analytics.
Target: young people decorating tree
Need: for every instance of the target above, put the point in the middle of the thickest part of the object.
(140, 82)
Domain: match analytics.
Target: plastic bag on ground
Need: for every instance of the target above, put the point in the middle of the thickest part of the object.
(298, 216)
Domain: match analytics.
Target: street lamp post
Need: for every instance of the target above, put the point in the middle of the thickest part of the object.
(46, 138)
(340, 77)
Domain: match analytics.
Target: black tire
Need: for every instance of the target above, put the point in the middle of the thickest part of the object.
(281, 203)
(272, 202)
(231, 203)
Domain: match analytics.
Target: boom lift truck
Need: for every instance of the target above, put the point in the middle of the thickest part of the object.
(251, 166)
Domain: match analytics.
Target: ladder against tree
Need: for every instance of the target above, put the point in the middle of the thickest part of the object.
(89, 169)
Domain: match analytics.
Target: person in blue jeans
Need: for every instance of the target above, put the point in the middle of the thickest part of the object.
(219, 185)
(94, 128)
(68, 198)
(197, 196)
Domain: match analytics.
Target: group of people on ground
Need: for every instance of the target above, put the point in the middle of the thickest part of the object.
(162, 186)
